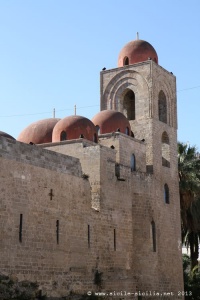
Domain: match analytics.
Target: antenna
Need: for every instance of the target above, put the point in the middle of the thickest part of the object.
(54, 113)
(137, 36)
(75, 109)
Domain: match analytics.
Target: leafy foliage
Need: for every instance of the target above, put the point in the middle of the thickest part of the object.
(13, 289)
(189, 184)
(191, 280)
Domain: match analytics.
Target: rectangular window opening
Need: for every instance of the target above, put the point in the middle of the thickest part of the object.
(114, 239)
(153, 227)
(20, 228)
(57, 231)
(88, 236)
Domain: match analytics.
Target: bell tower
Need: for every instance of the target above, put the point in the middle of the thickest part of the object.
(146, 94)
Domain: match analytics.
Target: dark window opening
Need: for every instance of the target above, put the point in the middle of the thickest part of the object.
(63, 136)
(117, 170)
(153, 228)
(95, 138)
(132, 134)
(162, 107)
(20, 227)
(166, 194)
(57, 231)
(114, 240)
(127, 131)
(133, 163)
(88, 236)
(126, 61)
(129, 105)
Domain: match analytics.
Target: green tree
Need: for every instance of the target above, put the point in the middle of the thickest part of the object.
(189, 183)
(191, 280)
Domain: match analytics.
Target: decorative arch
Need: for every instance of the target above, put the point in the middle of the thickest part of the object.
(162, 107)
(119, 83)
(165, 150)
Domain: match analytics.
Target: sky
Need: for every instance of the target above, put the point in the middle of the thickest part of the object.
(52, 52)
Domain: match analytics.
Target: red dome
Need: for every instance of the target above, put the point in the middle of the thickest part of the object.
(6, 135)
(110, 120)
(135, 52)
(38, 132)
(74, 127)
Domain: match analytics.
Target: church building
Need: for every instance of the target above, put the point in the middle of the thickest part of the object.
(92, 206)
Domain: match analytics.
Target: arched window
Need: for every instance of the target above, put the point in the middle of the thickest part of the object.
(133, 163)
(127, 131)
(165, 150)
(63, 136)
(153, 232)
(97, 129)
(129, 105)
(95, 138)
(166, 193)
(162, 107)
(126, 61)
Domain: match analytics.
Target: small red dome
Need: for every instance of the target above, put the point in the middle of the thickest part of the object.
(38, 132)
(74, 127)
(135, 52)
(111, 121)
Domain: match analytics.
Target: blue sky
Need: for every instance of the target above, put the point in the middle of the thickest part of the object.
(51, 53)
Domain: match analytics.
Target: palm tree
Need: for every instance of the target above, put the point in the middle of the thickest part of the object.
(189, 183)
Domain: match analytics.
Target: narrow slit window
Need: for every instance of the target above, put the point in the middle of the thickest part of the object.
(57, 231)
(133, 163)
(153, 228)
(20, 227)
(166, 194)
(88, 236)
(114, 239)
